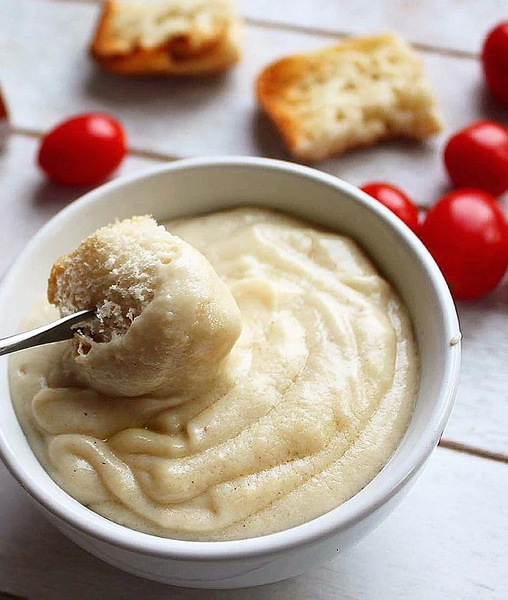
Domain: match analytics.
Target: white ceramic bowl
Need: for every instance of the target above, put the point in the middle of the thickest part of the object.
(194, 186)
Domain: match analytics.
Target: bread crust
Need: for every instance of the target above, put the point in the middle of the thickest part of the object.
(284, 91)
(178, 55)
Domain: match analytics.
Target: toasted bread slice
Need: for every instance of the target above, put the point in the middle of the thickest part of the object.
(170, 37)
(353, 94)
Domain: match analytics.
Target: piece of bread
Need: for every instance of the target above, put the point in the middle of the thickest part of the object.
(114, 271)
(165, 320)
(352, 94)
(170, 37)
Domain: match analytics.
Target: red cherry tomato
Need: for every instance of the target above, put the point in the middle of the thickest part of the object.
(495, 61)
(477, 156)
(467, 234)
(83, 150)
(394, 199)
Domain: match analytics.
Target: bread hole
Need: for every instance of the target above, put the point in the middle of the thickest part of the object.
(82, 347)
(305, 87)
(159, 19)
(340, 115)
(360, 67)
(163, 17)
(375, 76)
(85, 335)
(350, 85)
(180, 47)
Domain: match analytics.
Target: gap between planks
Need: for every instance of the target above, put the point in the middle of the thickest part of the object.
(330, 33)
(473, 451)
(324, 32)
(159, 156)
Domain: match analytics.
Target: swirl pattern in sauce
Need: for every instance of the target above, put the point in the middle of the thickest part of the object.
(313, 400)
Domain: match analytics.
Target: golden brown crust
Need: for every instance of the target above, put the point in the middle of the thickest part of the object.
(100, 42)
(56, 271)
(271, 85)
(178, 55)
(299, 92)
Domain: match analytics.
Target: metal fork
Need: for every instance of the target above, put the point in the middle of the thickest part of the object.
(63, 329)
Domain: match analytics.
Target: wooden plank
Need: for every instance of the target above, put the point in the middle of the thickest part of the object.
(458, 26)
(454, 515)
(480, 416)
(45, 82)
(448, 540)
(424, 22)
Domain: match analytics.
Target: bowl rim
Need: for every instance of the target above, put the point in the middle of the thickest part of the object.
(365, 502)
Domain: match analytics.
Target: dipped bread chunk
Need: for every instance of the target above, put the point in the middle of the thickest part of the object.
(356, 93)
(168, 37)
(165, 320)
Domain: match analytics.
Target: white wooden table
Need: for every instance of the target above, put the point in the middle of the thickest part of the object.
(450, 537)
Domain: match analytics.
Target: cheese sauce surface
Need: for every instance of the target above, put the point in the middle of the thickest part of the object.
(310, 404)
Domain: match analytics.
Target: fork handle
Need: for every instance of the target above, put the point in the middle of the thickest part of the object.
(52, 332)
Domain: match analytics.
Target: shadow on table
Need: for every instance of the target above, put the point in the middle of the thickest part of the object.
(51, 198)
(488, 106)
(190, 94)
(382, 161)
(266, 139)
